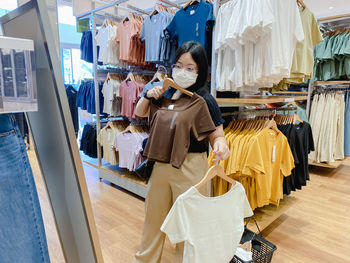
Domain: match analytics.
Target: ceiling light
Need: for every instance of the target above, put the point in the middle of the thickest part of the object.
(331, 7)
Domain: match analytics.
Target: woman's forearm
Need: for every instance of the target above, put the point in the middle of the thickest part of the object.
(142, 108)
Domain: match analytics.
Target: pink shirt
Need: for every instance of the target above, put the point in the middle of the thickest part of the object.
(129, 92)
(125, 31)
(129, 146)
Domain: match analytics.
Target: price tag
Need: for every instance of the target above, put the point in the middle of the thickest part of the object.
(289, 100)
(192, 12)
(274, 153)
(171, 107)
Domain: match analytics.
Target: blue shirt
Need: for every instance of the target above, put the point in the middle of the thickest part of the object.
(192, 24)
(152, 30)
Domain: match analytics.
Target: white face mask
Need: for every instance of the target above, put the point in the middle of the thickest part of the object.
(184, 78)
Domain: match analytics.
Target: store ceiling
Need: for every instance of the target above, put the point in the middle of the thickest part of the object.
(321, 8)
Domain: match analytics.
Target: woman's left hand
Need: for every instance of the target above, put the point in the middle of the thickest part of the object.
(220, 149)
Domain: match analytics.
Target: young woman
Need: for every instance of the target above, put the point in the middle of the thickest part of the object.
(169, 180)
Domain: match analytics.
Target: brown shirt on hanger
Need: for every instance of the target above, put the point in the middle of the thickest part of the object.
(172, 123)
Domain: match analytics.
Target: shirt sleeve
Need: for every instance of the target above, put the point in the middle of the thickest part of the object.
(170, 31)
(315, 31)
(311, 146)
(299, 31)
(214, 109)
(143, 33)
(210, 19)
(100, 137)
(203, 125)
(287, 162)
(254, 161)
(117, 35)
(174, 224)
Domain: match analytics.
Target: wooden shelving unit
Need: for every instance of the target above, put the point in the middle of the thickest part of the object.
(120, 177)
(232, 102)
(334, 165)
(299, 93)
(331, 82)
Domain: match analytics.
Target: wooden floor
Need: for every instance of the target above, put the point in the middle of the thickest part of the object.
(316, 228)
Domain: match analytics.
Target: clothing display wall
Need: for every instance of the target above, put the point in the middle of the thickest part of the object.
(260, 43)
(327, 122)
(332, 58)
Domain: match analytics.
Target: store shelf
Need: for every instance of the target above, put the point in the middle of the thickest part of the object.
(124, 179)
(301, 93)
(331, 82)
(231, 102)
(334, 165)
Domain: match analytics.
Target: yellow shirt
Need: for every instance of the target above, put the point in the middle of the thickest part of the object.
(270, 157)
(303, 59)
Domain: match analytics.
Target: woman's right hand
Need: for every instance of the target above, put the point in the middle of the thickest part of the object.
(156, 92)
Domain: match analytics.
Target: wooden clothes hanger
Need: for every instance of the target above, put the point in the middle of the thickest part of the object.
(170, 83)
(273, 125)
(301, 3)
(296, 118)
(191, 2)
(215, 170)
(130, 76)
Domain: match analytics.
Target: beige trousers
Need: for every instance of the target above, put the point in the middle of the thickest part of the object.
(164, 186)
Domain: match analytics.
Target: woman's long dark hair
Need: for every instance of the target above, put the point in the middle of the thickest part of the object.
(199, 55)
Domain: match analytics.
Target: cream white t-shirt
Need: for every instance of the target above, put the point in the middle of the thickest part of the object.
(211, 227)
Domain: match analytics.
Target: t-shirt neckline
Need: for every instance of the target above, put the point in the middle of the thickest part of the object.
(195, 8)
(223, 196)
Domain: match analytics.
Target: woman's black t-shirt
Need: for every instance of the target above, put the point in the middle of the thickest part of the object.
(215, 113)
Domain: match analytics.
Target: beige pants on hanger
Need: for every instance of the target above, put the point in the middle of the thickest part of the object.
(164, 186)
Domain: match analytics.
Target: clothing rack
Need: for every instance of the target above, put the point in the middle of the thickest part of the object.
(170, 3)
(258, 110)
(268, 214)
(125, 179)
(228, 102)
(327, 86)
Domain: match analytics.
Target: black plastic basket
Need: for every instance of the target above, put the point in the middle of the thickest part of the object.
(261, 248)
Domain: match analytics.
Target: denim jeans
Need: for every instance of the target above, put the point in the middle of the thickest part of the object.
(22, 233)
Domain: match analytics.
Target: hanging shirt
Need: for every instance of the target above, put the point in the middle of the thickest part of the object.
(211, 227)
(172, 124)
(129, 92)
(129, 146)
(192, 24)
(151, 32)
(303, 60)
(110, 91)
(106, 138)
(125, 31)
(270, 155)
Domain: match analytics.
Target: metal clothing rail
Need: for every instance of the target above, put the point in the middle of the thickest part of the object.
(245, 111)
(170, 3)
